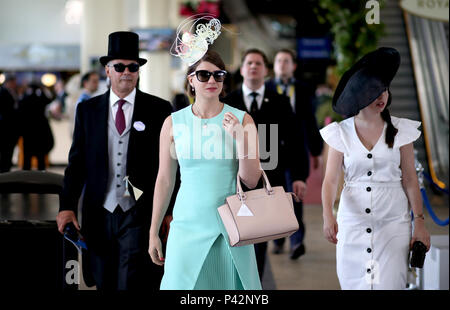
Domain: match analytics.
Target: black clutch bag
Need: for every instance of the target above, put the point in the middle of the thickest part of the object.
(418, 254)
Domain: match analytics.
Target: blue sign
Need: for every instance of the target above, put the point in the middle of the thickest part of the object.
(314, 48)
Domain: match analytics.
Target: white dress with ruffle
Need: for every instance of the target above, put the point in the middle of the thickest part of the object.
(374, 220)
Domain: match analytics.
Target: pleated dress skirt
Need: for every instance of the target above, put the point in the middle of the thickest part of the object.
(218, 271)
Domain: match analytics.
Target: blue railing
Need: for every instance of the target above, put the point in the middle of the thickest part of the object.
(420, 175)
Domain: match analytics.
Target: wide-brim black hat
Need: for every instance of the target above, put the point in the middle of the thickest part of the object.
(365, 81)
(123, 45)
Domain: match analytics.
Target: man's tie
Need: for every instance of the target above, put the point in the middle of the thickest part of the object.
(254, 106)
(120, 117)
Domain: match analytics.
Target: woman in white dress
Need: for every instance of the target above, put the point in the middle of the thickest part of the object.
(373, 228)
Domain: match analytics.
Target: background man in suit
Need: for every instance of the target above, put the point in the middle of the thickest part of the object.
(267, 107)
(89, 85)
(116, 135)
(9, 131)
(34, 125)
(301, 97)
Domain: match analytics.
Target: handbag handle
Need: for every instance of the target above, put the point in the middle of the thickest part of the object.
(241, 194)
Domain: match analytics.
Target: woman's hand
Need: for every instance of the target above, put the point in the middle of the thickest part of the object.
(299, 188)
(155, 250)
(420, 234)
(330, 228)
(232, 125)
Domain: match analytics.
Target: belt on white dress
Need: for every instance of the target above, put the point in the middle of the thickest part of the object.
(373, 184)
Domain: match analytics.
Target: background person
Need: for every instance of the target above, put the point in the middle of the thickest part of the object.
(9, 128)
(301, 97)
(89, 85)
(35, 128)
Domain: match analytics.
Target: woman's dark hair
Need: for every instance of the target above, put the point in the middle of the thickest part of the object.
(211, 57)
(391, 131)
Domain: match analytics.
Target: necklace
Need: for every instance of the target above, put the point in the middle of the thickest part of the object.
(205, 121)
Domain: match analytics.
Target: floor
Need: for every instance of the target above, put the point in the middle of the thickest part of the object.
(316, 270)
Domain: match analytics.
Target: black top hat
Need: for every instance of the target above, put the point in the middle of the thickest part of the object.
(366, 81)
(123, 45)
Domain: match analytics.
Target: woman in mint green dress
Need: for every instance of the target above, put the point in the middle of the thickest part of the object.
(207, 140)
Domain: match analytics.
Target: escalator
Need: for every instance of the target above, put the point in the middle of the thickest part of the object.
(421, 87)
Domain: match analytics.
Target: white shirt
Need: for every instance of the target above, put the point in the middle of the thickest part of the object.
(127, 107)
(248, 98)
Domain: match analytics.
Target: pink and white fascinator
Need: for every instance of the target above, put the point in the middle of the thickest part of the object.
(194, 35)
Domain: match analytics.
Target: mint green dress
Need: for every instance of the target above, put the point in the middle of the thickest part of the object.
(198, 255)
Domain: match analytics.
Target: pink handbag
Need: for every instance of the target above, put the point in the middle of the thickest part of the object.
(258, 215)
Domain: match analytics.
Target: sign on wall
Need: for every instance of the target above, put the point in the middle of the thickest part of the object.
(432, 9)
(314, 48)
(39, 57)
(155, 39)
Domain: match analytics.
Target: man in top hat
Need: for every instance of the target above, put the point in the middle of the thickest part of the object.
(114, 156)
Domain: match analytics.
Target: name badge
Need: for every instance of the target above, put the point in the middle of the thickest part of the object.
(139, 126)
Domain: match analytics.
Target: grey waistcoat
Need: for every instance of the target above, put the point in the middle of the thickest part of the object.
(117, 150)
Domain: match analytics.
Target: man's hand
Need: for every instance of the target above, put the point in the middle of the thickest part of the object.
(299, 188)
(65, 217)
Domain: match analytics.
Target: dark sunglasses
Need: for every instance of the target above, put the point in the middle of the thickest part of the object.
(204, 75)
(120, 67)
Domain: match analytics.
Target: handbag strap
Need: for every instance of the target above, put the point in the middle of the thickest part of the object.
(266, 184)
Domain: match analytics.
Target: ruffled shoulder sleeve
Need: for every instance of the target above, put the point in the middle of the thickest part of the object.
(408, 131)
(331, 134)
